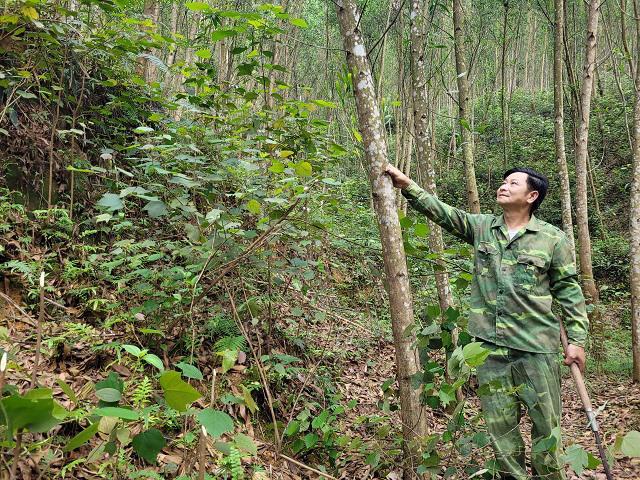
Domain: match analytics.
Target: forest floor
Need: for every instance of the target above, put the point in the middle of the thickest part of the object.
(364, 360)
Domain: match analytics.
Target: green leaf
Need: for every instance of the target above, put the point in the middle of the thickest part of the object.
(110, 389)
(292, 428)
(132, 349)
(109, 395)
(148, 444)
(229, 358)
(373, 459)
(576, 457)
(117, 412)
(142, 129)
(220, 34)
(303, 169)
(111, 202)
(421, 230)
(631, 444)
(197, 6)
(299, 22)
(156, 208)
(244, 443)
(216, 423)
(81, 438)
(177, 393)
(320, 420)
(33, 414)
(253, 206)
(310, 439)
(465, 124)
(154, 360)
(67, 390)
(204, 53)
(248, 400)
(190, 371)
(475, 354)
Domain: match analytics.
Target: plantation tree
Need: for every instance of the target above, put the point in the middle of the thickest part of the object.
(424, 147)
(370, 123)
(634, 211)
(582, 213)
(464, 101)
(558, 106)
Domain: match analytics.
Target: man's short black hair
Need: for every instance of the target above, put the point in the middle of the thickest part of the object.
(535, 181)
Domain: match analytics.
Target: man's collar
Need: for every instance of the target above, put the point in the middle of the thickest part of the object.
(533, 225)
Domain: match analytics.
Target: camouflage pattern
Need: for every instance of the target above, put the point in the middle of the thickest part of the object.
(515, 280)
(513, 377)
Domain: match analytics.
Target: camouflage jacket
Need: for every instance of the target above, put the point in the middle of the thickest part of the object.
(514, 281)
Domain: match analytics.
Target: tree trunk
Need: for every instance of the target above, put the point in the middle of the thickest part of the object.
(634, 227)
(558, 105)
(473, 200)
(503, 76)
(414, 421)
(424, 147)
(582, 213)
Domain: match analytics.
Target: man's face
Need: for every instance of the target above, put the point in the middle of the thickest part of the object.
(514, 191)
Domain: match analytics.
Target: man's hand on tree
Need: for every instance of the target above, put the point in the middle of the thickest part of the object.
(575, 354)
(399, 179)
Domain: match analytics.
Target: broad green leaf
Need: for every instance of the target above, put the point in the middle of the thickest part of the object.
(244, 443)
(111, 202)
(310, 440)
(81, 438)
(110, 389)
(177, 393)
(220, 34)
(292, 428)
(299, 22)
(156, 208)
(373, 459)
(285, 153)
(216, 423)
(213, 215)
(109, 395)
(132, 349)
(475, 354)
(154, 360)
(320, 420)
(253, 206)
(32, 414)
(303, 169)
(30, 12)
(148, 444)
(190, 371)
(142, 129)
(229, 358)
(631, 444)
(421, 230)
(197, 6)
(117, 412)
(204, 53)
(576, 457)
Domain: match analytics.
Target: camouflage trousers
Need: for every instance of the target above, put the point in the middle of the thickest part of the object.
(510, 381)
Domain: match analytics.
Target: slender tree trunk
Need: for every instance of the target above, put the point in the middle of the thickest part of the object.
(413, 417)
(634, 227)
(582, 212)
(558, 105)
(464, 101)
(424, 148)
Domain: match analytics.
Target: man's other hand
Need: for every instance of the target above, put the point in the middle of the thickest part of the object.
(399, 179)
(575, 354)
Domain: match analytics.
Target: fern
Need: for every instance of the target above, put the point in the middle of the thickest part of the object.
(19, 267)
(141, 395)
(222, 326)
(233, 343)
(233, 462)
(159, 64)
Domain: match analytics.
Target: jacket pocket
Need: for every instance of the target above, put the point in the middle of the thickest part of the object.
(486, 254)
(528, 272)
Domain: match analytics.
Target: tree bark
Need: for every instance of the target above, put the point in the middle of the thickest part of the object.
(414, 421)
(473, 200)
(558, 105)
(582, 213)
(634, 226)
(424, 148)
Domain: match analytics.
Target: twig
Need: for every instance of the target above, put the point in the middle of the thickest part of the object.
(311, 469)
(26, 318)
(260, 367)
(36, 362)
(16, 454)
(201, 452)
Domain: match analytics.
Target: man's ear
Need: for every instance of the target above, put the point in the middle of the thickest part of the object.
(533, 195)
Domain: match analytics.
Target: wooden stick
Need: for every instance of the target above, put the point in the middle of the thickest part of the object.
(311, 469)
(26, 318)
(36, 361)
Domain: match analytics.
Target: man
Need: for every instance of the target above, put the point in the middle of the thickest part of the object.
(521, 264)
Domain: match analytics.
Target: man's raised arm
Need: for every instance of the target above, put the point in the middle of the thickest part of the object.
(455, 221)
